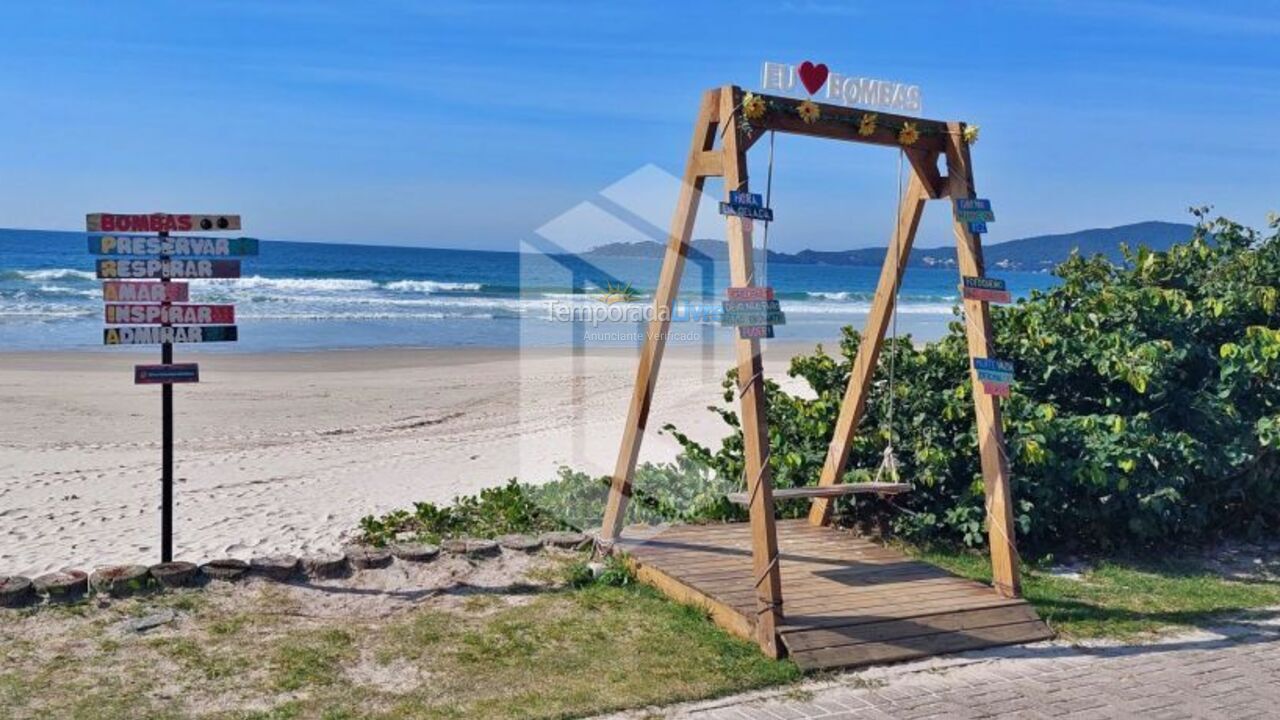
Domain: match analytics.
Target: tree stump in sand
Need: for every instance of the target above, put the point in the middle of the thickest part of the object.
(568, 540)
(120, 580)
(364, 558)
(226, 569)
(16, 592)
(325, 565)
(174, 574)
(62, 586)
(472, 547)
(415, 552)
(275, 567)
(521, 543)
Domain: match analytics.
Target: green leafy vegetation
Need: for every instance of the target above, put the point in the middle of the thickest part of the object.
(1146, 409)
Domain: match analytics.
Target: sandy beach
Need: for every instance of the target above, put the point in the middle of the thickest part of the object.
(285, 452)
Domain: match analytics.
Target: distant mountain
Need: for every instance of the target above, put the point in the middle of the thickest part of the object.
(1033, 253)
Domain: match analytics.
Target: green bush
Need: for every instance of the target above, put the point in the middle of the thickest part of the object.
(1146, 407)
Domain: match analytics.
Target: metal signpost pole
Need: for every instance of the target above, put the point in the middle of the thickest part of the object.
(166, 435)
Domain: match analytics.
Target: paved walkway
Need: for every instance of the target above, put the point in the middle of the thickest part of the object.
(1231, 673)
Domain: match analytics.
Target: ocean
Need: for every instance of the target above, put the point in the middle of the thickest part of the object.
(303, 296)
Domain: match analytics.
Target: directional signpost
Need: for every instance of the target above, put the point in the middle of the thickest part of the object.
(151, 309)
(752, 310)
(995, 375)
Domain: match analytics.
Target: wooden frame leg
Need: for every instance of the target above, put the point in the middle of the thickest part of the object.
(755, 430)
(991, 446)
(854, 404)
(695, 174)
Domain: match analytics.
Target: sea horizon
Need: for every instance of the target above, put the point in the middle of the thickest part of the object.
(299, 295)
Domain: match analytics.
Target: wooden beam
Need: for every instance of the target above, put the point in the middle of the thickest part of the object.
(995, 463)
(837, 122)
(755, 431)
(664, 297)
(854, 404)
(925, 164)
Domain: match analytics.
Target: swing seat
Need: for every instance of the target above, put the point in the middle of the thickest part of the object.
(827, 491)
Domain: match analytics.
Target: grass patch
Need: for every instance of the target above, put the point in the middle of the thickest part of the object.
(311, 658)
(1124, 599)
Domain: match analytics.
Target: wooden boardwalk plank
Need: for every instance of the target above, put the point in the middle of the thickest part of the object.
(847, 601)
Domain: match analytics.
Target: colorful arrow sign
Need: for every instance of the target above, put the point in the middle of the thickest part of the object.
(154, 268)
(123, 314)
(149, 245)
(169, 334)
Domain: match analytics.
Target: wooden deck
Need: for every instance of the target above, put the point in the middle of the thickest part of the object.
(846, 601)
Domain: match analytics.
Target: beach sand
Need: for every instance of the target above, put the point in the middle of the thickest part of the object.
(285, 452)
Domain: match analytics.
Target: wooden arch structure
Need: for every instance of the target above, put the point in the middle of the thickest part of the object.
(721, 140)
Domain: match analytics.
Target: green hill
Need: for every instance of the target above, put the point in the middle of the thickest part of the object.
(1032, 253)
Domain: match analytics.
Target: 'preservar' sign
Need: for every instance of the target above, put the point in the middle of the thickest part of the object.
(169, 334)
(159, 222)
(147, 245)
(155, 268)
(120, 314)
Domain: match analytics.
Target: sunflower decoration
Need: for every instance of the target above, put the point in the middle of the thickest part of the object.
(808, 112)
(971, 134)
(908, 135)
(753, 106)
(867, 125)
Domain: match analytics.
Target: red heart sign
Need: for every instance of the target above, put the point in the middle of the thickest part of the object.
(812, 76)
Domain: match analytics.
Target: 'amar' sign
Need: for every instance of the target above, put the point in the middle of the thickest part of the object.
(845, 89)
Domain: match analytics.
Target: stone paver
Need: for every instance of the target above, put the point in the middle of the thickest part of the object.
(1231, 673)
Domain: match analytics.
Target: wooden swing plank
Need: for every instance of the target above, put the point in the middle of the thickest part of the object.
(828, 491)
(839, 610)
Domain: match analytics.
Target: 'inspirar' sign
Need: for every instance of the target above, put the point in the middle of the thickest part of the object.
(848, 90)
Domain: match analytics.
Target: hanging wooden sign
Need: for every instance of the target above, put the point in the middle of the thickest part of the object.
(169, 334)
(746, 205)
(149, 245)
(750, 293)
(159, 222)
(155, 268)
(985, 289)
(995, 375)
(145, 291)
(970, 210)
(121, 314)
(166, 374)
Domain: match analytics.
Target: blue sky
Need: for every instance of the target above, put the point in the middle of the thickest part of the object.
(473, 124)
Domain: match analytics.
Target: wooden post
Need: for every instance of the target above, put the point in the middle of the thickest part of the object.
(854, 404)
(755, 429)
(664, 297)
(995, 464)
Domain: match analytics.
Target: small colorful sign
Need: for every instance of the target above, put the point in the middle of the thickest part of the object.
(994, 374)
(145, 291)
(750, 293)
(122, 314)
(159, 334)
(971, 210)
(985, 289)
(158, 222)
(155, 268)
(748, 332)
(181, 246)
(166, 374)
(978, 228)
(746, 205)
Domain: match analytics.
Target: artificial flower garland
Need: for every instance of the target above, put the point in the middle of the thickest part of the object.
(908, 133)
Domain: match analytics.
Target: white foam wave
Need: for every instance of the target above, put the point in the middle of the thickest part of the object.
(258, 282)
(55, 274)
(432, 286)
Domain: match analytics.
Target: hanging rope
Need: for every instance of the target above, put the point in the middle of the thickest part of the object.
(768, 202)
(888, 469)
